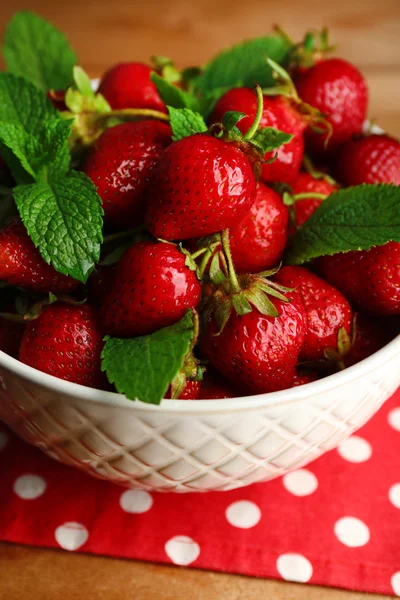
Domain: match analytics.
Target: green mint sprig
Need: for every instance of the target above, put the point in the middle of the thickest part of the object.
(243, 64)
(142, 368)
(185, 122)
(354, 218)
(36, 50)
(61, 209)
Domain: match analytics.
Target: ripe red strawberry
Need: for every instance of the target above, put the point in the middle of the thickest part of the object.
(22, 265)
(303, 377)
(306, 184)
(370, 279)
(201, 185)
(258, 240)
(370, 335)
(327, 310)
(128, 85)
(257, 352)
(278, 113)
(10, 336)
(190, 391)
(152, 289)
(338, 90)
(370, 159)
(215, 387)
(65, 341)
(121, 163)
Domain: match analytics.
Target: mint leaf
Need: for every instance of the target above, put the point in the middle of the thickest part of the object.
(243, 64)
(15, 143)
(269, 138)
(38, 51)
(64, 220)
(32, 132)
(142, 368)
(355, 218)
(174, 96)
(185, 122)
(21, 103)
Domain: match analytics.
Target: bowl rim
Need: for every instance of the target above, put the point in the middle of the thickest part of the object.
(248, 403)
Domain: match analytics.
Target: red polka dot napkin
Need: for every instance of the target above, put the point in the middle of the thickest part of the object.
(336, 522)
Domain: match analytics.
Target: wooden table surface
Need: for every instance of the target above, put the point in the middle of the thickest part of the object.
(104, 32)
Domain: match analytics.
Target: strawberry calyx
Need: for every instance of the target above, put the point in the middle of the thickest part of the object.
(284, 86)
(252, 145)
(26, 311)
(311, 50)
(165, 67)
(240, 293)
(345, 343)
(92, 114)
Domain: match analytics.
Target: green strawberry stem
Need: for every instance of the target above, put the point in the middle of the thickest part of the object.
(305, 195)
(234, 282)
(260, 105)
(133, 112)
(312, 170)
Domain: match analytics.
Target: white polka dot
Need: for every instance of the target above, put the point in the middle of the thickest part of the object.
(294, 567)
(352, 532)
(395, 581)
(71, 536)
(301, 482)
(394, 495)
(394, 418)
(29, 487)
(136, 501)
(243, 514)
(3, 439)
(182, 550)
(355, 449)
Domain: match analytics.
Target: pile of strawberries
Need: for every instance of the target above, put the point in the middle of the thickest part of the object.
(201, 224)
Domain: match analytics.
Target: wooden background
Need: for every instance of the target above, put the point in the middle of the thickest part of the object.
(106, 31)
(366, 32)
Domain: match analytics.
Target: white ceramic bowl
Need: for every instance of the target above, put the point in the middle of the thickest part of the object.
(193, 445)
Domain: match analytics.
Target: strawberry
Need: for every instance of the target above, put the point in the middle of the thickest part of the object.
(10, 336)
(327, 310)
(259, 238)
(369, 336)
(121, 163)
(65, 341)
(370, 279)
(370, 159)
(303, 377)
(277, 112)
(22, 265)
(152, 289)
(128, 85)
(190, 391)
(307, 184)
(257, 352)
(338, 90)
(215, 387)
(201, 185)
